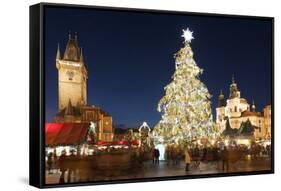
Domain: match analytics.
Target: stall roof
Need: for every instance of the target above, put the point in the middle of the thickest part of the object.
(65, 133)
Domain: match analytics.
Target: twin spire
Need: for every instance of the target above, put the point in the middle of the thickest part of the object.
(71, 42)
(69, 35)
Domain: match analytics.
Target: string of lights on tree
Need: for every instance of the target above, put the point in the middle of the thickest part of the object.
(186, 107)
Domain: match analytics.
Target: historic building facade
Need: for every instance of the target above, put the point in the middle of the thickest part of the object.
(72, 92)
(237, 110)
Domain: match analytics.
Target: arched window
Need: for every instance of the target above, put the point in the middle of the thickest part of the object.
(235, 109)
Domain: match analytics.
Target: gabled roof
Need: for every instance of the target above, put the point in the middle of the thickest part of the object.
(250, 113)
(69, 110)
(65, 133)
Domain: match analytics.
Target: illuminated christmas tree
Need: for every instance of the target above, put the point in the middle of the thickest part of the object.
(186, 107)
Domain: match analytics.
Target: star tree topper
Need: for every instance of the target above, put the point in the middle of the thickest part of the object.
(187, 35)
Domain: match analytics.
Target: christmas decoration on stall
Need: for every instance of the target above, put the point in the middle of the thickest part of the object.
(130, 136)
(92, 136)
(144, 134)
(186, 107)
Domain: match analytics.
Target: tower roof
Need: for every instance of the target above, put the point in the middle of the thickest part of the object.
(221, 102)
(233, 89)
(72, 50)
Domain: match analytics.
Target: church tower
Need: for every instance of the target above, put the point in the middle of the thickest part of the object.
(72, 75)
(233, 90)
(220, 111)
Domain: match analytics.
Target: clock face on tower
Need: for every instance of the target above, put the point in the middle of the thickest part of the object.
(70, 75)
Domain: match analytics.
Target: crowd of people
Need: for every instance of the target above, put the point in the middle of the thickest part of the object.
(192, 155)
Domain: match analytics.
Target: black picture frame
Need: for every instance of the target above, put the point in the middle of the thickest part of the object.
(37, 95)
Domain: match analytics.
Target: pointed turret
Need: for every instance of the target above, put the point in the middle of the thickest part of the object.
(58, 57)
(76, 37)
(253, 106)
(69, 110)
(221, 102)
(69, 35)
(81, 55)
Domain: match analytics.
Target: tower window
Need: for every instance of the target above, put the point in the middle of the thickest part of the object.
(235, 109)
(70, 75)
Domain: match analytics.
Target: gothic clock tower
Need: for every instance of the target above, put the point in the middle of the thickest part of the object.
(72, 75)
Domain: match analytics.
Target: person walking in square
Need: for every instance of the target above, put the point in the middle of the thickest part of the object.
(187, 158)
(50, 162)
(157, 155)
(153, 156)
(62, 165)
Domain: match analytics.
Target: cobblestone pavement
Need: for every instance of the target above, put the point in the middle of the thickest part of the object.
(149, 170)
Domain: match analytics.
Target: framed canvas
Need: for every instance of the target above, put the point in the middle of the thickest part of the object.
(130, 95)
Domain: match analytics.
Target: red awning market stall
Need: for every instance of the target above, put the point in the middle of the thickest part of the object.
(65, 133)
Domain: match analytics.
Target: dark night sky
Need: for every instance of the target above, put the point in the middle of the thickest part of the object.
(130, 58)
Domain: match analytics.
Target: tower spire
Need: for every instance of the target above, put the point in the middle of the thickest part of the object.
(221, 101)
(58, 52)
(234, 91)
(233, 80)
(69, 35)
(81, 55)
(69, 108)
(76, 36)
(253, 106)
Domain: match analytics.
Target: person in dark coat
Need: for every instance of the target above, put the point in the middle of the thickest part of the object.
(157, 155)
(225, 156)
(50, 162)
(204, 157)
(72, 161)
(62, 165)
(196, 156)
(154, 156)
